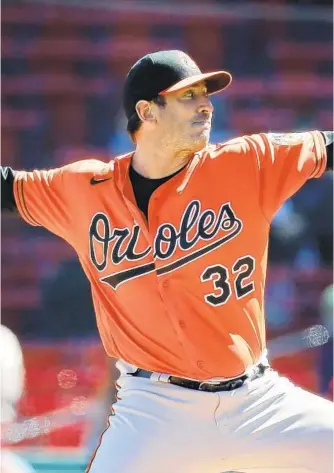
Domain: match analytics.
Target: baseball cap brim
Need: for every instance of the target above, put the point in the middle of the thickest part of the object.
(215, 82)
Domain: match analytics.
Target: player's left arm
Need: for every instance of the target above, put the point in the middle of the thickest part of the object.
(283, 162)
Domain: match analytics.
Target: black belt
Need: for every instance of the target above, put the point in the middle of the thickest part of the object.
(210, 386)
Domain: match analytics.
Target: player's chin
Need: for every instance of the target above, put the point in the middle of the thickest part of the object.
(200, 141)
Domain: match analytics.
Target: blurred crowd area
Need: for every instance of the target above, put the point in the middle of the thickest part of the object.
(62, 71)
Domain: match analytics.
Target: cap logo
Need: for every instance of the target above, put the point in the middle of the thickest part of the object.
(187, 61)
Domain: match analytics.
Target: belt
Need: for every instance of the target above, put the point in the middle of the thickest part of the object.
(210, 386)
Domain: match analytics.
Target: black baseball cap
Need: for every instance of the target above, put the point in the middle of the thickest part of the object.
(167, 71)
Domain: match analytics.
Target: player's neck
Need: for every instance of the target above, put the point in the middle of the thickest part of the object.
(155, 162)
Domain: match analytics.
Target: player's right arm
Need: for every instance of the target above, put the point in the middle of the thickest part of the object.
(41, 197)
(48, 198)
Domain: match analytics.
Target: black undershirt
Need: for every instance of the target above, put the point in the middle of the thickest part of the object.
(143, 187)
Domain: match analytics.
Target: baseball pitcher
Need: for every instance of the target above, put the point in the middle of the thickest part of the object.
(173, 238)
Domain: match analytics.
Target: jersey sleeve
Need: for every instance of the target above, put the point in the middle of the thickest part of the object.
(283, 163)
(46, 198)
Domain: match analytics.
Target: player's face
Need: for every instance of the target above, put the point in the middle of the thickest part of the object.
(185, 121)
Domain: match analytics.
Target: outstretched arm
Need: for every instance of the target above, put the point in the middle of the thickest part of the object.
(283, 162)
(49, 197)
(40, 197)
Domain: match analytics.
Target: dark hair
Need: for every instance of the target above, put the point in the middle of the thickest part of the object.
(135, 122)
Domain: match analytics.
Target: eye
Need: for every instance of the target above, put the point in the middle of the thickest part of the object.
(190, 94)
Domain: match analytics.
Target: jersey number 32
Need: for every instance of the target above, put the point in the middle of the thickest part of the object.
(219, 275)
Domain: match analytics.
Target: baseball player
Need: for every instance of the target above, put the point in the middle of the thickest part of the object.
(173, 238)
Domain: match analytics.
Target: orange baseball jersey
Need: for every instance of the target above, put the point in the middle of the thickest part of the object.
(181, 293)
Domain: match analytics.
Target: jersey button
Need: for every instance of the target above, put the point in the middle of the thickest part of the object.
(200, 364)
(165, 284)
(182, 324)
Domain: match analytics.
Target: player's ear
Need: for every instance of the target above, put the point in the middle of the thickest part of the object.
(145, 111)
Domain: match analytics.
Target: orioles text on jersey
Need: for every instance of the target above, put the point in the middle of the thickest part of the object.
(207, 224)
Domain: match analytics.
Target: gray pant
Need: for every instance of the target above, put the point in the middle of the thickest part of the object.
(266, 426)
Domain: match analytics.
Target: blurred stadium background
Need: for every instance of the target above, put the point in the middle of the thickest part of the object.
(63, 64)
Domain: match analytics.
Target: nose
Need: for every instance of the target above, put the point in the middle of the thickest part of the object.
(206, 106)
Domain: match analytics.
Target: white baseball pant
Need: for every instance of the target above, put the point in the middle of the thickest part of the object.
(266, 426)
